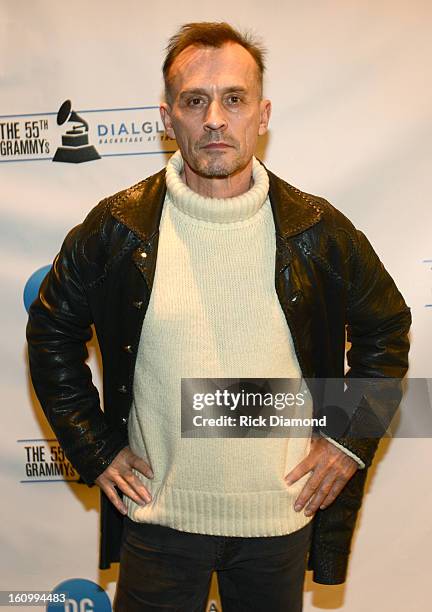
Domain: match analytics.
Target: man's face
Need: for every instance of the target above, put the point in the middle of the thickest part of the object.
(216, 112)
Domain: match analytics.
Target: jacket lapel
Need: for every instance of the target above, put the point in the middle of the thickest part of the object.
(140, 207)
(293, 210)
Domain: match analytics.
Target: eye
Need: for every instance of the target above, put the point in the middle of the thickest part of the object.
(195, 101)
(233, 99)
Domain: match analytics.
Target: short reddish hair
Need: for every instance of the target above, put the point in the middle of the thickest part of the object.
(211, 34)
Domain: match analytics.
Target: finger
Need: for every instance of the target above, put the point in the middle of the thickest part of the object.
(136, 484)
(139, 464)
(300, 470)
(309, 489)
(326, 486)
(130, 491)
(110, 492)
(333, 493)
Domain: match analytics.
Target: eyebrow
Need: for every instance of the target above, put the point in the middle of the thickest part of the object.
(202, 91)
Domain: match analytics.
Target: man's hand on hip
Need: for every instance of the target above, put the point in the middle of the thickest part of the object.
(119, 473)
(331, 469)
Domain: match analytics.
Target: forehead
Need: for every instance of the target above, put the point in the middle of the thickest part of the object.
(198, 66)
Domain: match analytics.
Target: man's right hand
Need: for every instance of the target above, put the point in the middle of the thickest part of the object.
(119, 473)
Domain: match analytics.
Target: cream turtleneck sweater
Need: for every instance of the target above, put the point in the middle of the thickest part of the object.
(214, 313)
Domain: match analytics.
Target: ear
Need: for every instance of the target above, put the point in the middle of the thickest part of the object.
(265, 112)
(165, 113)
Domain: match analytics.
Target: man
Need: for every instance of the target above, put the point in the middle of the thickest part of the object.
(214, 268)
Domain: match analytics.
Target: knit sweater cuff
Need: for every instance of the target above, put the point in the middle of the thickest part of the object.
(346, 451)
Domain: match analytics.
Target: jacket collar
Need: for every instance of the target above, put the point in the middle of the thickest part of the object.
(140, 207)
(293, 210)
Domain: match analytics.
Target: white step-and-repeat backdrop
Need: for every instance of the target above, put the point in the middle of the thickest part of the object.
(351, 88)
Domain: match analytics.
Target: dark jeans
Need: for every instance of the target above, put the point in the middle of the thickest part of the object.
(166, 569)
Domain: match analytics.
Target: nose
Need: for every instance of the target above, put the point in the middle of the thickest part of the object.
(215, 117)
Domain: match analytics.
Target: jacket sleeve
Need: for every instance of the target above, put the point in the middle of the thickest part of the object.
(378, 322)
(59, 325)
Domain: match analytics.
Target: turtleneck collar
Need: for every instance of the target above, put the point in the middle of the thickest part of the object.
(216, 210)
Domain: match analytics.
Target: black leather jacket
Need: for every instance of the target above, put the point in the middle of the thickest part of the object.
(327, 276)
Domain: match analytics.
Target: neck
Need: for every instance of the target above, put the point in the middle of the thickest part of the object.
(219, 187)
(214, 209)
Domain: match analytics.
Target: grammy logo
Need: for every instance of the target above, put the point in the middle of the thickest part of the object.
(75, 147)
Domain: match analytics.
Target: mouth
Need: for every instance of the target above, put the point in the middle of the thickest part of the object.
(217, 145)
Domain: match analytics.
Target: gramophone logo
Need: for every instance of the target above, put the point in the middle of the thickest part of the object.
(75, 147)
(134, 130)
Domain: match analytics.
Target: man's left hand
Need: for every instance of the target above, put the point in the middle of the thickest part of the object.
(331, 469)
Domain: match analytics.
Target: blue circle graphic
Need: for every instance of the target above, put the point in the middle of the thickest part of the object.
(32, 285)
(82, 596)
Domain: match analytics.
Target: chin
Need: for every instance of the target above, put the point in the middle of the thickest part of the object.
(216, 173)
(219, 170)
